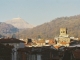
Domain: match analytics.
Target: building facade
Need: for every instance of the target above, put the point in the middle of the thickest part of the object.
(63, 39)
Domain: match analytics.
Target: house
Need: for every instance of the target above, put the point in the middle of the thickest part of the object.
(40, 43)
(38, 53)
(76, 53)
(16, 43)
(51, 42)
(71, 53)
(5, 52)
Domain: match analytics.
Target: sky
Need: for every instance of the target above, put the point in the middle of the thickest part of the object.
(37, 12)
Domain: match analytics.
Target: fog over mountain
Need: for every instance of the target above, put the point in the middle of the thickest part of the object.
(19, 23)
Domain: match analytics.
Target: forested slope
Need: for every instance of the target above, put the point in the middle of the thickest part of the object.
(51, 29)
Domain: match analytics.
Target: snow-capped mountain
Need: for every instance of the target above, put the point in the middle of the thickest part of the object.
(19, 23)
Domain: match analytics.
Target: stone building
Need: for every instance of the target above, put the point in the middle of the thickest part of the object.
(63, 32)
(63, 39)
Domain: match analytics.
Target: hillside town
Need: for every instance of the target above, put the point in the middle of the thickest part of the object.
(39, 29)
(62, 47)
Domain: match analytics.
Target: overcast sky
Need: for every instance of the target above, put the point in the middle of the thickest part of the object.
(37, 12)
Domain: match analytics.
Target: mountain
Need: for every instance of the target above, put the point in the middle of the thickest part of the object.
(7, 28)
(19, 23)
(51, 29)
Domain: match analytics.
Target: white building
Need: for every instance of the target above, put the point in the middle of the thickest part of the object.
(16, 43)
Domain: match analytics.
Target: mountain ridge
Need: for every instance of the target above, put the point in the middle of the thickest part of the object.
(51, 29)
(19, 23)
(7, 28)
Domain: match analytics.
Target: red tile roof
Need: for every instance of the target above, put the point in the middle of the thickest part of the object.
(56, 47)
(51, 41)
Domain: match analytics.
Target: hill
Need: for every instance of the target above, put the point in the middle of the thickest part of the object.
(19, 23)
(51, 29)
(6, 29)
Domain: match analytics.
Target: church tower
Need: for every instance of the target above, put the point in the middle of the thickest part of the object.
(63, 32)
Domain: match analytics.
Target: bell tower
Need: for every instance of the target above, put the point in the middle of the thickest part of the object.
(63, 32)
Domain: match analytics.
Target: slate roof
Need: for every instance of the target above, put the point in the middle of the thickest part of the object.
(10, 40)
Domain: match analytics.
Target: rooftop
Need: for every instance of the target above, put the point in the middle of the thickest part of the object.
(10, 40)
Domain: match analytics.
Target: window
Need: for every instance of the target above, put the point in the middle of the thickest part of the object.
(63, 31)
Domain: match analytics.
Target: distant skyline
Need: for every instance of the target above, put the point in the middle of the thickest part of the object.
(37, 12)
